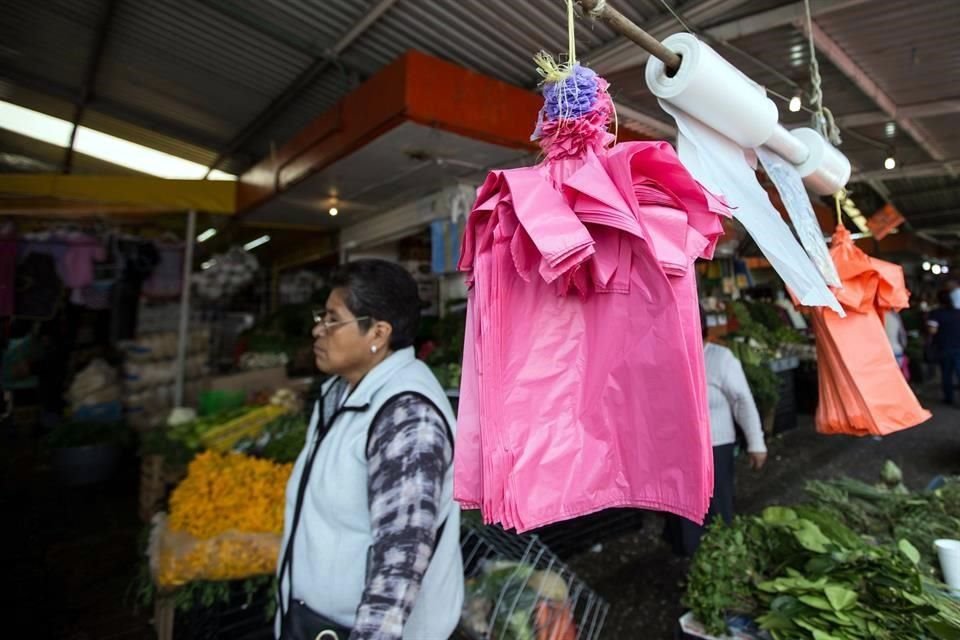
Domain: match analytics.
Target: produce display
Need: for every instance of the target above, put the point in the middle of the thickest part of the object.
(225, 522)
(281, 440)
(225, 435)
(857, 563)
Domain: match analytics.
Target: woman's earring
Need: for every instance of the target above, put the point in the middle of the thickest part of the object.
(373, 349)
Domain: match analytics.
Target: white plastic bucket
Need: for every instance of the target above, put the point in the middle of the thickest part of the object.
(949, 553)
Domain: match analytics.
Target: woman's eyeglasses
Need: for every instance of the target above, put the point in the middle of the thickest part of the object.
(320, 318)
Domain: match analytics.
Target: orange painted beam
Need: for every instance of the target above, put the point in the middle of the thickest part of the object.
(417, 88)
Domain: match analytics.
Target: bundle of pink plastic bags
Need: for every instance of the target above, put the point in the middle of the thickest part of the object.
(583, 378)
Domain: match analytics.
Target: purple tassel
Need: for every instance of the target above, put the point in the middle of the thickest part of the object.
(579, 93)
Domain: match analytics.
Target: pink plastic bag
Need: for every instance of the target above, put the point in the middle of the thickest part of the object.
(583, 382)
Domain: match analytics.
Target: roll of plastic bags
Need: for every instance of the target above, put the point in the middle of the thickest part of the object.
(708, 95)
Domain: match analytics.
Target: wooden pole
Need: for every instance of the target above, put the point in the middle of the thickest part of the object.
(625, 27)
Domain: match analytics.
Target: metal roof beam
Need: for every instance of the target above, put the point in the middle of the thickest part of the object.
(112, 108)
(301, 82)
(774, 18)
(621, 53)
(90, 78)
(931, 218)
(842, 60)
(924, 170)
(913, 111)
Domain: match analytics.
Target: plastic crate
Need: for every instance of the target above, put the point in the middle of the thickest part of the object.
(105, 412)
(513, 582)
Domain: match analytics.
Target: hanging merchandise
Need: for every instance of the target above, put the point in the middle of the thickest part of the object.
(136, 259)
(583, 377)
(167, 277)
(708, 93)
(226, 274)
(862, 391)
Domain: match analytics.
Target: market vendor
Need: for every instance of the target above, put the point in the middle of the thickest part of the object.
(731, 405)
(371, 531)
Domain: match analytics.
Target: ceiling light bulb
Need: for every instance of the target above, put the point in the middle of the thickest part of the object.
(890, 163)
(944, 269)
(334, 211)
(926, 266)
(795, 104)
(936, 269)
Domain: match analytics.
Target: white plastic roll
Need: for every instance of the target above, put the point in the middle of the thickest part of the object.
(714, 92)
(787, 147)
(826, 170)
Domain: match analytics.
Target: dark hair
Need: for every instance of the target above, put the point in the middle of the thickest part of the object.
(703, 322)
(383, 291)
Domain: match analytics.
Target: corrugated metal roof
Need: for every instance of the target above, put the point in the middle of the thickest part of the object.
(327, 91)
(52, 39)
(187, 77)
(910, 49)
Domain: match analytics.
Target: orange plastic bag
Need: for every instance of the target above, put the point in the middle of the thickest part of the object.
(862, 391)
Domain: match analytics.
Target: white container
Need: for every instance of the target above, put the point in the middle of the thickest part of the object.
(949, 552)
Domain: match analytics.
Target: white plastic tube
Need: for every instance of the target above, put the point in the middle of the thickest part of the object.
(714, 92)
(826, 170)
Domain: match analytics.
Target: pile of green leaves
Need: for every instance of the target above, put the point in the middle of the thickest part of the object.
(204, 594)
(887, 512)
(802, 575)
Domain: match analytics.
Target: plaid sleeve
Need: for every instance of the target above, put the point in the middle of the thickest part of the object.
(408, 455)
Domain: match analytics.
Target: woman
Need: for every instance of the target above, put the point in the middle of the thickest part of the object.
(731, 403)
(371, 531)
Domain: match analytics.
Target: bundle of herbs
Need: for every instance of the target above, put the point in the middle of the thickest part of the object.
(803, 575)
(887, 512)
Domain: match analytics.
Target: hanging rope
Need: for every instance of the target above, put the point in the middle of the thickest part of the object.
(837, 197)
(823, 120)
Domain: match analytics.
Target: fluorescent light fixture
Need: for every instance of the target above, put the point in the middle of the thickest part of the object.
(334, 211)
(253, 244)
(890, 130)
(96, 144)
(890, 163)
(206, 235)
(926, 266)
(936, 269)
(209, 263)
(795, 104)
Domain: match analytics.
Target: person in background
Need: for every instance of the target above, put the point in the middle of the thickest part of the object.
(731, 403)
(943, 324)
(897, 335)
(371, 542)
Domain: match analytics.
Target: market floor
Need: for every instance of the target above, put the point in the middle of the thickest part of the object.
(73, 553)
(643, 581)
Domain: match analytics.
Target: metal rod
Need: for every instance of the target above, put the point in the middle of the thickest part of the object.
(89, 80)
(184, 309)
(625, 27)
